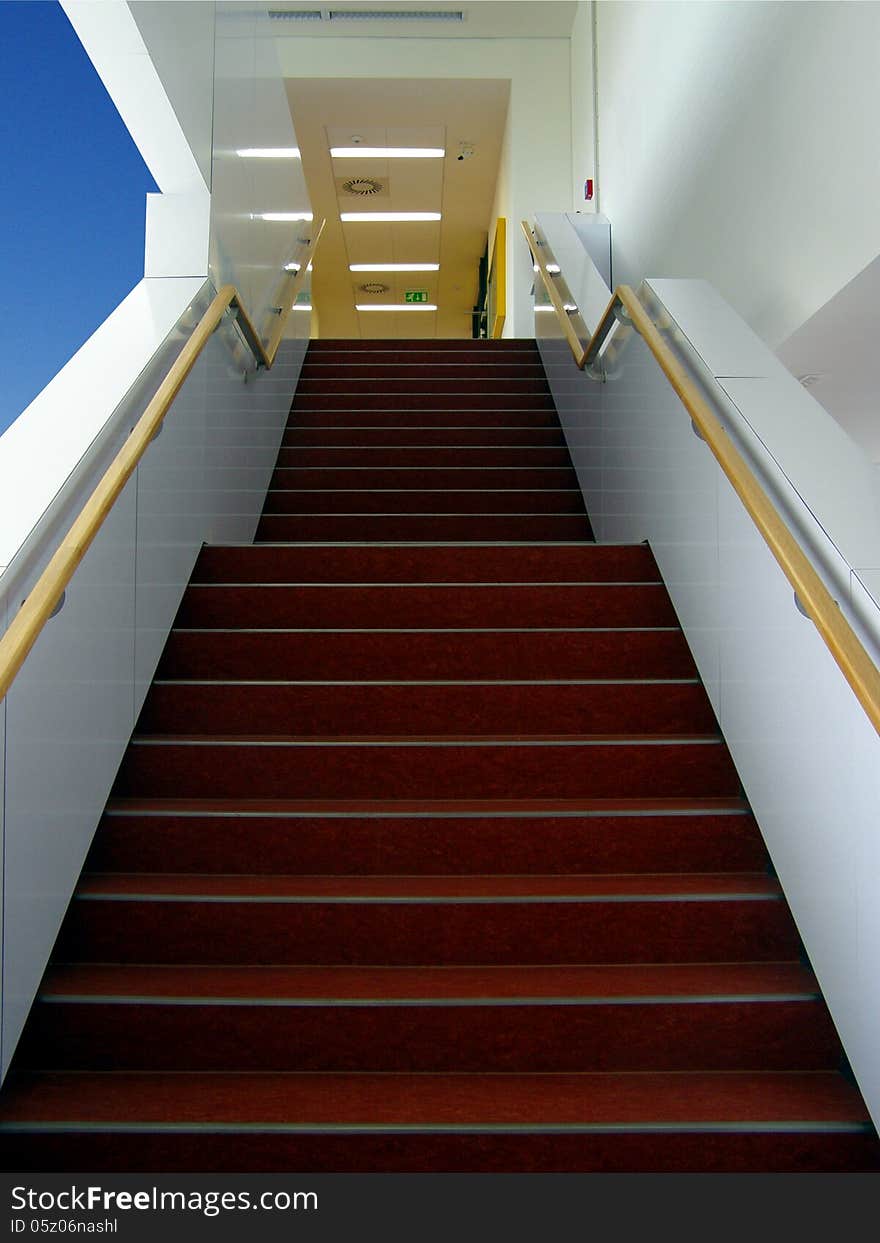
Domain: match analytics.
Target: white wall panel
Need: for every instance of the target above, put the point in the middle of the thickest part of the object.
(69, 717)
(807, 755)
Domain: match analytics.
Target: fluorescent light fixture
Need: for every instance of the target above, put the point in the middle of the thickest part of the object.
(281, 215)
(395, 306)
(396, 15)
(353, 217)
(387, 153)
(292, 267)
(268, 153)
(301, 306)
(394, 267)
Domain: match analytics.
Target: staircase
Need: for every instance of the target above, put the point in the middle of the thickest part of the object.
(426, 853)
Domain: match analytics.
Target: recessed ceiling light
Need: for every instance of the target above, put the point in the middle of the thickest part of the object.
(352, 217)
(394, 267)
(268, 153)
(281, 215)
(395, 306)
(387, 153)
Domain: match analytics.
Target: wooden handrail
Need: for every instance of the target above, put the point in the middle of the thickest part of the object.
(25, 627)
(852, 659)
(578, 349)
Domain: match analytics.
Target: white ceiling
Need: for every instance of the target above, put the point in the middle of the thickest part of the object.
(412, 113)
(483, 19)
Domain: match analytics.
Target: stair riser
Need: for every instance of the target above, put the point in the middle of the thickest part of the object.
(424, 607)
(414, 771)
(472, 1038)
(388, 457)
(430, 846)
(470, 369)
(386, 437)
(443, 527)
(422, 403)
(364, 656)
(585, 563)
(398, 934)
(420, 479)
(417, 710)
(439, 501)
(493, 422)
(458, 388)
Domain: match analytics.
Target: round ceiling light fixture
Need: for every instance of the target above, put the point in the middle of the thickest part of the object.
(374, 287)
(362, 187)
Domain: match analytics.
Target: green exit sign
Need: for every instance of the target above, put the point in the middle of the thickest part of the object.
(415, 295)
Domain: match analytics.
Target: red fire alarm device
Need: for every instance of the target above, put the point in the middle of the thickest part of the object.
(588, 189)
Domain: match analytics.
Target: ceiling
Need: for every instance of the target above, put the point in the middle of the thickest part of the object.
(412, 113)
(482, 19)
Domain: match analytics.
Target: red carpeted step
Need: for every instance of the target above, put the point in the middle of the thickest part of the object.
(625, 767)
(422, 478)
(440, 500)
(297, 436)
(478, 420)
(426, 383)
(354, 527)
(538, 563)
(424, 708)
(424, 606)
(398, 921)
(436, 839)
(443, 402)
(386, 457)
(434, 1019)
(461, 367)
(358, 655)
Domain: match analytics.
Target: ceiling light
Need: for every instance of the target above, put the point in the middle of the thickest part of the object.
(281, 215)
(352, 217)
(396, 15)
(292, 267)
(395, 306)
(268, 153)
(301, 306)
(387, 153)
(394, 267)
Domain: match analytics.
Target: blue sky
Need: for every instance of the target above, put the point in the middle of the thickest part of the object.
(71, 201)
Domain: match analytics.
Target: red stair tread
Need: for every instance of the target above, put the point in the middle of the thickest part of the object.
(522, 564)
(446, 983)
(442, 654)
(546, 502)
(456, 1099)
(488, 888)
(357, 528)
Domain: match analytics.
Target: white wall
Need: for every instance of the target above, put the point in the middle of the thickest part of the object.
(737, 142)
(583, 146)
(537, 158)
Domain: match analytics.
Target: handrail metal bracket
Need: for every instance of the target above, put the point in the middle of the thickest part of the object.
(596, 371)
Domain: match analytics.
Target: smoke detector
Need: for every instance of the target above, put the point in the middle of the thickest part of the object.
(466, 150)
(374, 287)
(362, 187)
